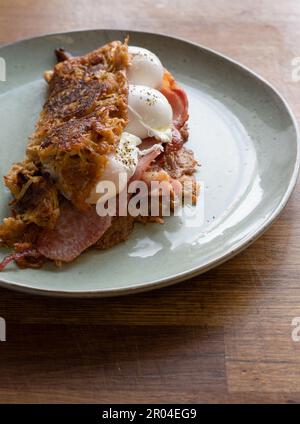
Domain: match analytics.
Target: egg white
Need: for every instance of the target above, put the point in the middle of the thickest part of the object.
(145, 69)
(149, 113)
(120, 167)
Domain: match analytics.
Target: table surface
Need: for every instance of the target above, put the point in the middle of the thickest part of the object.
(221, 337)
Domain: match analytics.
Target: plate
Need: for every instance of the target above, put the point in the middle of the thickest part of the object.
(241, 130)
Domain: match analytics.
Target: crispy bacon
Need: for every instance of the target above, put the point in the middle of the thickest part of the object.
(75, 231)
(21, 259)
(177, 98)
(144, 163)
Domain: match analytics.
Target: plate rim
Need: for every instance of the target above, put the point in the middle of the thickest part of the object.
(198, 270)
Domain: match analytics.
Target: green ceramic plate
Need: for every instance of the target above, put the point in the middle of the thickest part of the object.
(241, 130)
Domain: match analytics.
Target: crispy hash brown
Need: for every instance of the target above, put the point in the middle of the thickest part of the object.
(80, 124)
(82, 120)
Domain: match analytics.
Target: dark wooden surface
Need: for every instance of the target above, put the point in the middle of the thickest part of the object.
(221, 337)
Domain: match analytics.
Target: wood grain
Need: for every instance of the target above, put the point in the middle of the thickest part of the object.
(221, 337)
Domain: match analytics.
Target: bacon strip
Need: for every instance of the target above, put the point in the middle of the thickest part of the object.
(75, 231)
(17, 256)
(144, 163)
(177, 98)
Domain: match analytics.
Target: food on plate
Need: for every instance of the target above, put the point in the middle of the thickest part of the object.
(113, 112)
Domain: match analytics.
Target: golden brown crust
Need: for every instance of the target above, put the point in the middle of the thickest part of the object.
(35, 195)
(11, 231)
(81, 122)
(39, 204)
(19, 177)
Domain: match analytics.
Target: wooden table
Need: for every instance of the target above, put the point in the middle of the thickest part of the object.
(221, 337)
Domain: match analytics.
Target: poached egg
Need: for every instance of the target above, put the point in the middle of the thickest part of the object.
(120, 167)
(149, 113)
(146, 68)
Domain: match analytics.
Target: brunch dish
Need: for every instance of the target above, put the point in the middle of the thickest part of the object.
(111, 112)
(96, 137)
